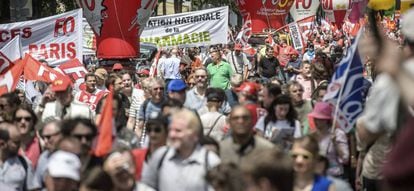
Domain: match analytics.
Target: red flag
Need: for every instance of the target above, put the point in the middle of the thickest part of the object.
(35, 70)
(75, 70)
(104, 143)
(9, 80)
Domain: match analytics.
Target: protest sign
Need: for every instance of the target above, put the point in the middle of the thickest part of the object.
(56, 39)
(198, 28)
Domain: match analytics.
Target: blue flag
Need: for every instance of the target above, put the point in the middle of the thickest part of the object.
(346, 92)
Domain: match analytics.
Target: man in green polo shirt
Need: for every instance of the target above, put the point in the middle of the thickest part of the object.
(219, 72)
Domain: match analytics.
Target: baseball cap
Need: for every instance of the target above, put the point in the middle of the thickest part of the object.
(64, 164)
(101, 73)
(117, 66)
(61, 84)
(248, 87)
(176, 85)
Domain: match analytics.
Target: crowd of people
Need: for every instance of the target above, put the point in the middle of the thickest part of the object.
(215, 118)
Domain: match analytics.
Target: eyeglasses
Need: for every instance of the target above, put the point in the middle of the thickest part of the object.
(305, 156)
(88, 137)
(154, 129)
(47, 137)
(191, 84)
(18, 119)
(244, 117)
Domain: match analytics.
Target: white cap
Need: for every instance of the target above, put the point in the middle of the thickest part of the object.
(64, 164)
(407, 25)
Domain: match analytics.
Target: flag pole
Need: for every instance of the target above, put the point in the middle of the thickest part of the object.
(342, 87)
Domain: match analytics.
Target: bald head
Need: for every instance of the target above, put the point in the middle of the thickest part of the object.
(13, 144)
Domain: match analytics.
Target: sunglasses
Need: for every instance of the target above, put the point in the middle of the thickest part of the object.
(154, 129)
(305, 156)
(18, 119)
(244, 117)
(88, 137)
(47, 137)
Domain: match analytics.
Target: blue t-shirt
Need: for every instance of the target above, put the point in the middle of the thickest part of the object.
(321, 183)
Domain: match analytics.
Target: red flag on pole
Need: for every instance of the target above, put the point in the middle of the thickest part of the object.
(35, 70)
(9, 80)
(104, 143)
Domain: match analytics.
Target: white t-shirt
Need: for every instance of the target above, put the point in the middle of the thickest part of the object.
(278, 125)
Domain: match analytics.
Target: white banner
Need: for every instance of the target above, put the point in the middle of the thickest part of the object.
(56, 39)
(304, 8)
(89, 39)
(296, 36)
(198, 28)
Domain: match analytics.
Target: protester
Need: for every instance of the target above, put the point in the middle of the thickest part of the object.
(226, 177)
(101, 78)
(120, 167)
(176, 90)
(213, 121)
(91, 95)
(305, 79)
(170, 66)
(8, 103)
(63, 172)
(280, 125)
(248, 96)
(269, 66)
(302, 106)
(25, 119)
(157, 129)
(127, 83)
(85, 131)
(238, 61)
(152, 106)
(305, 152)
(242, 146)
(231, 94)
(17, 170)
(219, 72)
(64, 106)
(266, 174)
(51, 135)
(332, 143)
(164, 170)
(268, 94)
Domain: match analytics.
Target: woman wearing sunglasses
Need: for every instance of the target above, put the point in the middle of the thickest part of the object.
(25, 119)
(305, 153)
(157, 131)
